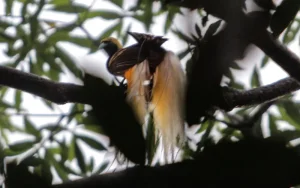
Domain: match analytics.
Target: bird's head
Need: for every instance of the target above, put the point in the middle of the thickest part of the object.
(110, 45)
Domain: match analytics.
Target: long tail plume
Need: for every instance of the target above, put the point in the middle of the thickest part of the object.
(168, 102)
(138, 91)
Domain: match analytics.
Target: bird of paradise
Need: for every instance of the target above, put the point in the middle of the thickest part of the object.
(155, 84)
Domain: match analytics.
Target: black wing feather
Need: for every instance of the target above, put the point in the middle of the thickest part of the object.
(124, 59)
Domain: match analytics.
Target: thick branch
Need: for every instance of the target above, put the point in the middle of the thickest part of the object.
(285, 58)
(237, 98)
(62, 93)
(59, 93)
(214, 167)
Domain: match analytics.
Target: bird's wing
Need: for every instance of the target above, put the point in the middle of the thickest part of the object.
(125, 59)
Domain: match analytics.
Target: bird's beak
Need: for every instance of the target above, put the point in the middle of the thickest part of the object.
(163, 40)
(102, 45)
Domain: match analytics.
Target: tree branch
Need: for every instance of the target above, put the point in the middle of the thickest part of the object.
(214, 167)
(62, 93)
(237, 98)
(256, 29)
(59, 93)
(285, 58)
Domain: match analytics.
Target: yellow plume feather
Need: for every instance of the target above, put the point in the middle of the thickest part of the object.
(166, 99)
(168, 102)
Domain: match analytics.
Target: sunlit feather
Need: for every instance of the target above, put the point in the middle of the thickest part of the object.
(137, 89)
(168, 102)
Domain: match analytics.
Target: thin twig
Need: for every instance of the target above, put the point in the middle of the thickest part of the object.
(31, 114)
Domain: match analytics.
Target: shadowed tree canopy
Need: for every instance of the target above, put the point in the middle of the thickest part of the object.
(230, 118)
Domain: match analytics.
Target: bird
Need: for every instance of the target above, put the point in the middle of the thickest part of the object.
(156, 84)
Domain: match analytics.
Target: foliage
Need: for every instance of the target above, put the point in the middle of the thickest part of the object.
(36, 44)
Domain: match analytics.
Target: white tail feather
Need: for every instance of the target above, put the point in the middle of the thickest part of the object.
(168, 102)
(137, 91)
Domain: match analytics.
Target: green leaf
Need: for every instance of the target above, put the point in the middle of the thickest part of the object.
(32, 161)
(67, 169)
(108, 32)
(57, 37)
(71, 154)
(5, 105)
(55, 150)
(22, 146)
(119, 28)
(48, 104)
(183, 36)
(169, 20)
(91, 142)
(119, 3)
(24, 8)
(198, 31)
(68, 61)
(30, 128)
(272, 125)
(53, 75)
(147, 17)
(64, 150)
(283, 15)
(74, 110)
(18, 100)
(23, 53)
(90, 166)
(94, 128)
(205, 136)
(228, 74)
(34, 26)
(102, 168)
(80, 158)
(257, 129)
(39, 9)
(67, 28)
(52, 127)
(289, 108)
(255, 80)
(203, 127)
(264, 61)
(9, 152)
(288, 135)
(234, 65)
(59, 2)
(65, 36)
(70, 8)
(8, 6)
(46, 172)
(291, 33)
(105, 14)
(57, 166)
(125, 35)
(80, 41)
(236, 85)
(212, 28)
(5, 24)
(183, 54)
